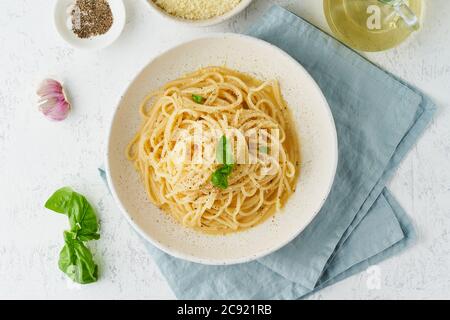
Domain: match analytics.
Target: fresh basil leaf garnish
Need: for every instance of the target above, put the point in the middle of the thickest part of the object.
(75, 258)
(76, 261)
(81, 215)
(59, 201)
(219, 180)
(82, 218)
(224, 156)
(198, 99)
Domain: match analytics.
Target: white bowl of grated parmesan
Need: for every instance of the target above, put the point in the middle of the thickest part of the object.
(199, 13)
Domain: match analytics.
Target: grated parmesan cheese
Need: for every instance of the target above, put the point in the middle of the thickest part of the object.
(197, 9)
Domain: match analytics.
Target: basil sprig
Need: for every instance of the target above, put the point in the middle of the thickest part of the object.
(224, 156)
(75, 259)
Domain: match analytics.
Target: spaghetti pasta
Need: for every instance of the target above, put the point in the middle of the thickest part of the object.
(175, 149)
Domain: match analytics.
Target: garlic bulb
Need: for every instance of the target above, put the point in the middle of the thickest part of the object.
(53, 101)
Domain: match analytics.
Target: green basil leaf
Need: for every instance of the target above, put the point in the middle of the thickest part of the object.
(220, 150)
(220, 177)
(219, 180)
(76, 261)
(224, 154)
(198, 99)
(82, 217)
(60, 200)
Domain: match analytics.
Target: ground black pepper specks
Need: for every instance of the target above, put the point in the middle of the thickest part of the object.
(91, 18)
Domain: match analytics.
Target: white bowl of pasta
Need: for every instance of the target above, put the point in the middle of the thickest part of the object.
(188, 173)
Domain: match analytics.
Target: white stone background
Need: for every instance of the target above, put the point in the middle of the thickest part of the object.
(38, 156)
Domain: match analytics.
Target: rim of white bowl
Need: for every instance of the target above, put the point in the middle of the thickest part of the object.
(208, 261)
(100, 44)
(201, 23)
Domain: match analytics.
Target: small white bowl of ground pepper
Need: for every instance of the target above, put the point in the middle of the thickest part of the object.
(198, 13)
(89, 24)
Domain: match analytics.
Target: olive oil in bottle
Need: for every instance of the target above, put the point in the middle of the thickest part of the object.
(373, 25)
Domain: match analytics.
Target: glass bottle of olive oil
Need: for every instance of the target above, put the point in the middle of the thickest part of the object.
(373, 25)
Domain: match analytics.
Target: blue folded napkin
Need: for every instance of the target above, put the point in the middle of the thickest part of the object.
(378, 119)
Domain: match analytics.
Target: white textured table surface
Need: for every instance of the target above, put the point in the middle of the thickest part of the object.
(38, 156)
